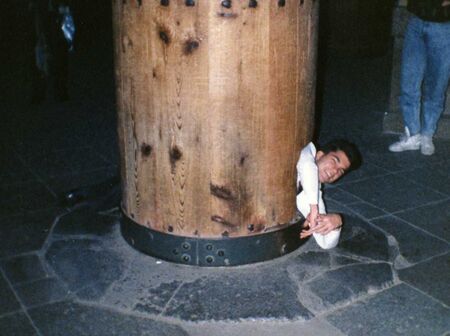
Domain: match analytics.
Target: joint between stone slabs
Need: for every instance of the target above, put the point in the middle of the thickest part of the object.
(22, 305)
(361, 298)
(163, 311)
(49, 239)
(426, 294)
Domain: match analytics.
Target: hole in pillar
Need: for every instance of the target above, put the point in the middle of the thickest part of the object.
(281, 3)
(253, 4)
(170, 228)
(164, 36)
(190, 3)
(226, 3)
(146, 149)
(190, 45)
(164, 3)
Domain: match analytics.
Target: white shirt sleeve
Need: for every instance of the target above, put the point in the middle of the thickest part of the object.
(308, 175)
(309, 179)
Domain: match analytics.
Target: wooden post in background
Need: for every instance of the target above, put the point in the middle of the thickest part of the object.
(215, 100)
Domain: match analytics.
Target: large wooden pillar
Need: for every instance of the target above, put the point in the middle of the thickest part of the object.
(215, 100)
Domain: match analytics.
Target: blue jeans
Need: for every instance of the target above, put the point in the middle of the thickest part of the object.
(425, 73)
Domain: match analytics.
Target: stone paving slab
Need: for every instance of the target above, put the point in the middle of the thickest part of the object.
(23, 197)
(16, 324)
(341, 286)
(148, 283)
(359, 238)
(23, 268)
(41, 291)
(314, 327)
(75, 319)
(400, 310)
(431, 276)
(388, 193)
(408, 160)
(420, 217)
(367, 170)
(435, 176)
(366, 210)
(84, 263)
(84, 221)
(341, 196)
(414, 245)
(311, 264)
(8, 301)
(258, 295)
(26, 232)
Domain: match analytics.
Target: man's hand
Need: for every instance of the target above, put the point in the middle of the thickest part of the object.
(306, 231)
(313, 215)
(325, 224)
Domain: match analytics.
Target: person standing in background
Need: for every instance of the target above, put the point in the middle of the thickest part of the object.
(425, 73)
(51, 49)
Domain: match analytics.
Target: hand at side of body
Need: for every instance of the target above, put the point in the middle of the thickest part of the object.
(325, 224)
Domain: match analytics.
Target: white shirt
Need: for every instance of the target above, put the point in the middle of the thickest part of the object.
(308, 177)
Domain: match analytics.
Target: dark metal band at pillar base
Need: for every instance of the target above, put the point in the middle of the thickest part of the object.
(211, 252)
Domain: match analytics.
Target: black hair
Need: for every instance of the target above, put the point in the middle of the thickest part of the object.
(349, 149)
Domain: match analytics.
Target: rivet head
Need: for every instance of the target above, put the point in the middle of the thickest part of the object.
(186, 258)
(209, 259)
(186, 246)
(209, 247)
(226, 3)
(221, 253)
(175, 251)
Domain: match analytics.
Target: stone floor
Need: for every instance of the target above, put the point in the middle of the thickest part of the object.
(68, 271)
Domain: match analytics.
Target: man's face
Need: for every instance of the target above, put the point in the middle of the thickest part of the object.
(332, 165)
